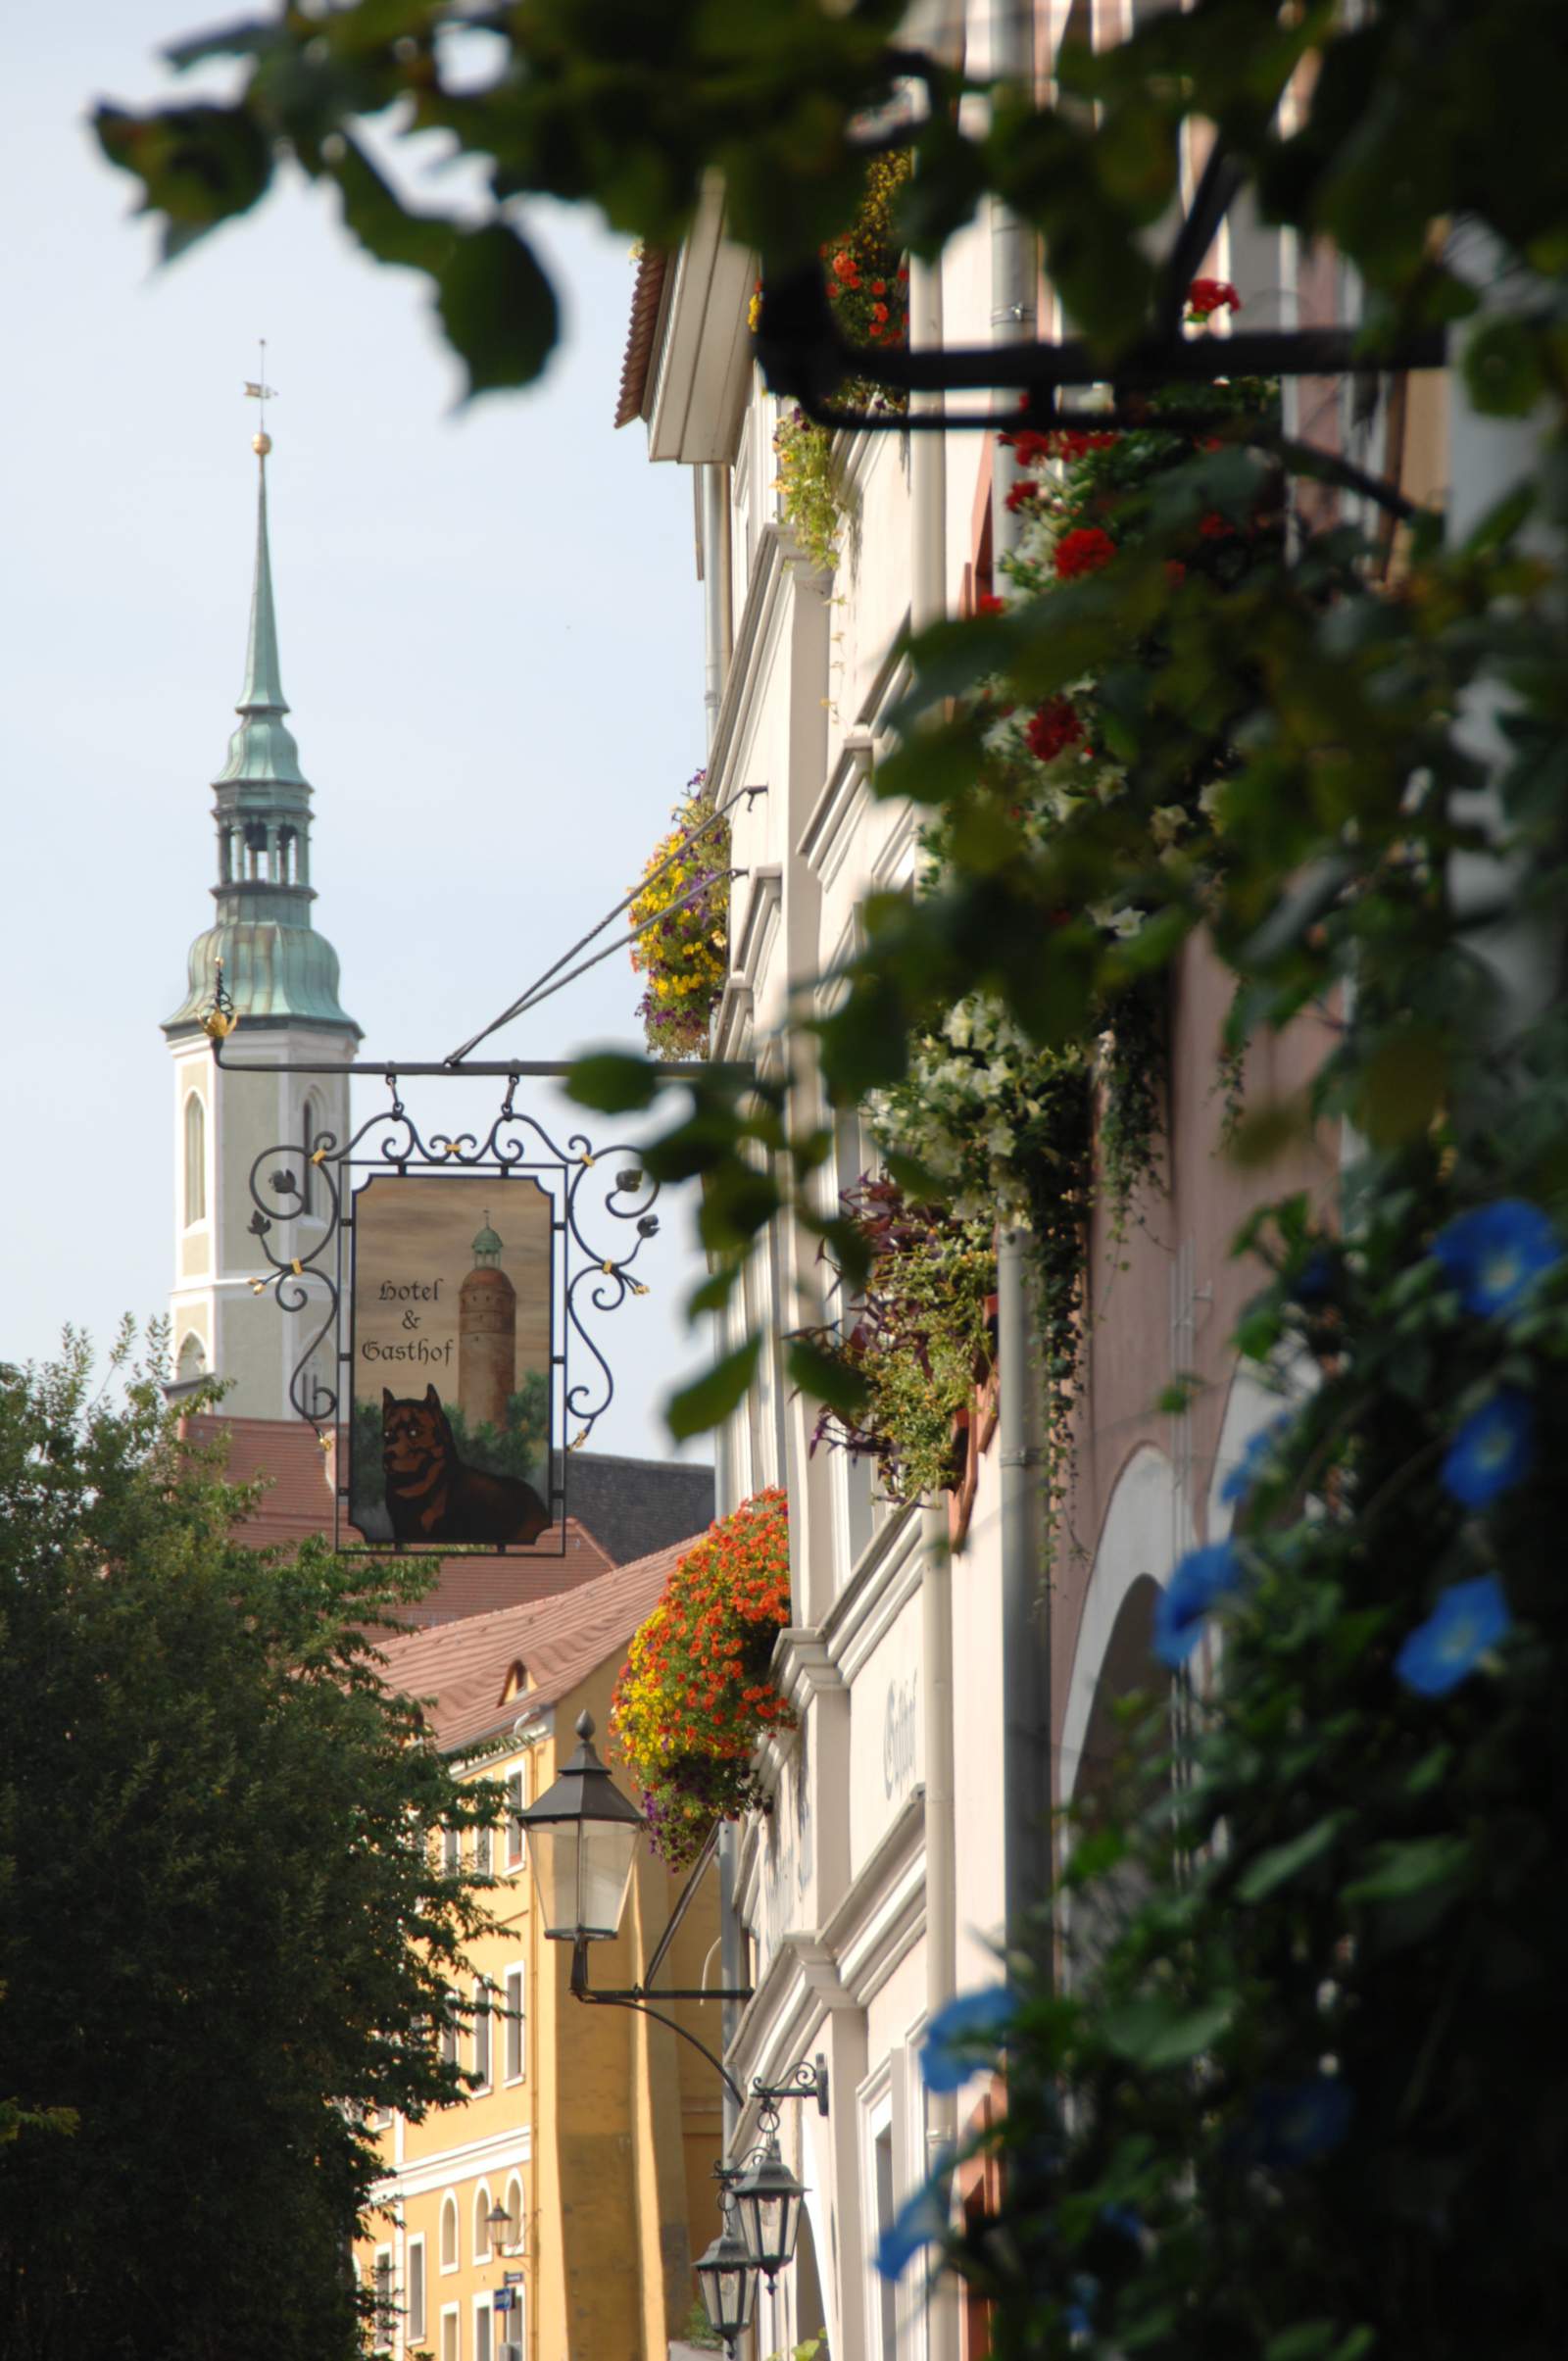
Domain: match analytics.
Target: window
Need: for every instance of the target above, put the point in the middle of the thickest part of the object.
(882, 2166)
(481, 2224)
(481, 2328)
(451, 2349)
(449, 2232)
(385, 2308)
(192, 1360)
(452, 1851)
(195, 1160)
(516, 1797)
(484, 1851)
(517, 2024)
(481, 2032)
(516, 2236)
(450, 2029)
(414, 2329)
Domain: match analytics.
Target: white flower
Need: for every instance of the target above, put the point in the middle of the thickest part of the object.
(1167, 822)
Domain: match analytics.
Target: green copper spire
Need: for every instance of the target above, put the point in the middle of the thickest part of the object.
(280, 970)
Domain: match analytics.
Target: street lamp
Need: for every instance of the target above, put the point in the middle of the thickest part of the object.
(726, 2274)
(498, 2227)
(582, 1840)
(768, 2198)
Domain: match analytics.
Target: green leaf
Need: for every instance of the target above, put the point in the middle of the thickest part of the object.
(198, 165)
(498, 308)
(1503, 369)
(614, 1082)
(1281, 1862)
(1162, 2031)
(826, 1377)
(381, 222)
(710, 1400)
(1410, 1866)
(714, 1292)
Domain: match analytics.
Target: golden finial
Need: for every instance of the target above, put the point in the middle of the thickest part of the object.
(257, 390)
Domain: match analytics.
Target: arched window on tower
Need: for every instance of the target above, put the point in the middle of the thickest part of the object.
(311, 1124)
(195, 1160)
(192, 1361)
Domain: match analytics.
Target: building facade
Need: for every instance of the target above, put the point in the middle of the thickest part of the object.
(594, 2131)
(953, 1667)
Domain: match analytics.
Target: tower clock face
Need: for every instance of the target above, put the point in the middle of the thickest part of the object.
(452, 1360)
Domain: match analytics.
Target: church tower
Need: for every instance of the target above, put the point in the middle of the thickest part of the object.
(283, 979)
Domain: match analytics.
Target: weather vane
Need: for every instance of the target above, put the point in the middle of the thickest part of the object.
(257, 390)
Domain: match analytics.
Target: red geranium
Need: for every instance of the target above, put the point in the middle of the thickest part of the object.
(1207, 295)
(1052, 727)
(1083, 551)
(987, 602)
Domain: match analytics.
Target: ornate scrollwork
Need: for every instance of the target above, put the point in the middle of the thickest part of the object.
(584, 1192)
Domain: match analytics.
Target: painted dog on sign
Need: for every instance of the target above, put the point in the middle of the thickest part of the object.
(432, 1495)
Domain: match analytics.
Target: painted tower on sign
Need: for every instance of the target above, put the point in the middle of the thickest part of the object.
(487, 1336)
(282, 976)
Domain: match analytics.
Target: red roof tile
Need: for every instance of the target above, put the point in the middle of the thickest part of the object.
(646, 297)
(463, 1668)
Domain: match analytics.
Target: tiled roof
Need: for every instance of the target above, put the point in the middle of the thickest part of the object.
(463, 1668)
(298, 1501)
(646, 297)
(631, 1506)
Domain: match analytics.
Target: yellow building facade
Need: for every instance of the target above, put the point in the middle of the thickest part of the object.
(553, 2214)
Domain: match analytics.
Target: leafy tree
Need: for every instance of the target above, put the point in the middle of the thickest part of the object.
(224, 1940)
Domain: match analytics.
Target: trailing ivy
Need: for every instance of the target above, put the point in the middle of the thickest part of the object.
(917, 1342)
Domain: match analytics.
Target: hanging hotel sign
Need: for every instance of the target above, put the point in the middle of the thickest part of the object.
(449, 1291)
(451, 1356)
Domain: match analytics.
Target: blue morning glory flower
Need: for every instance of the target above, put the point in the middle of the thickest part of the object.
(1492, 1450)
(1299, 2125)
(966, 2034)
(1466, 1621)
(919, 2221)
(1202, 1577)
(1494, 1252)
(1249, 1466)
(1315, 1277)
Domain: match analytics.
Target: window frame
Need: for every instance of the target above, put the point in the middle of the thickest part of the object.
(483, 2035)
(449, 2203)
(194, 1137)
(514, 2017)
(417, 2280)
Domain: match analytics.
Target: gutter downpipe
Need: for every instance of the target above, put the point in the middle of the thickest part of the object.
(1026, 1662)
(713, 550)
(928, 604)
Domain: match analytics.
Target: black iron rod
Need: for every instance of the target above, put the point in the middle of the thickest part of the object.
(521, 1069)
(1154, 361)
(682, 1903)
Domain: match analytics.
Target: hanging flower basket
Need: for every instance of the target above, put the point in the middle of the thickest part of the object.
(693, 1698)
(682, 918)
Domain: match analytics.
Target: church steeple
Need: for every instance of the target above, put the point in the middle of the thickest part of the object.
(283, 979)
(279, 969)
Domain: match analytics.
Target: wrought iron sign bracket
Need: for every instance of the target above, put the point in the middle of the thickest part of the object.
(305, 1223)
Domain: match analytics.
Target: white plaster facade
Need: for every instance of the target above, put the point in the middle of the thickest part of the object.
(896, 1768)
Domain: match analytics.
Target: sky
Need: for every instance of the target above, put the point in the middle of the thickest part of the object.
(491, 644)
